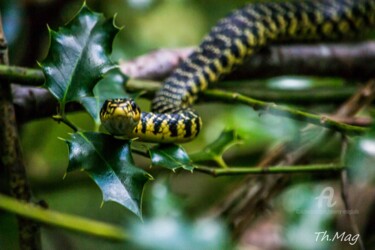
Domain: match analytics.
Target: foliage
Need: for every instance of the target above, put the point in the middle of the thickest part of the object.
(215, 150)
(110, 164)
(79, 69)
(170, 156)
(79, 56)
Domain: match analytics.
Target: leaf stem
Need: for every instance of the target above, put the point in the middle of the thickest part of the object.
(270, 170)
(201, 156)
(64, 119)
(67, 221)
(140, 152)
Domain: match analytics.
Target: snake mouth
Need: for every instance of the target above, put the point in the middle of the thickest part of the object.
(120, 116)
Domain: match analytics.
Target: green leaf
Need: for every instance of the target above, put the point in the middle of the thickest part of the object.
(79, 56)
(110, 87)
(227, 139)
(170, 156)
(215, 150)
(109, 162)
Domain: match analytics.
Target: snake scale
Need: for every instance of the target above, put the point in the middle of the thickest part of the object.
(234, 39)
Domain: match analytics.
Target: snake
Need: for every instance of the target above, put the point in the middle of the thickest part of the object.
(234, 39)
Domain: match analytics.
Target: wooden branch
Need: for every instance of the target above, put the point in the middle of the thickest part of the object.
(345, 60)
(26, 76)
(34, 103)
(350, 61)
(11, 156)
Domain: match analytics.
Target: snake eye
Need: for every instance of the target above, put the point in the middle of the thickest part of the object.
(133, 104)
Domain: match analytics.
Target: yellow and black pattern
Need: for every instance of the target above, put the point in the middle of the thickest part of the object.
(122, 117)
(234, 39)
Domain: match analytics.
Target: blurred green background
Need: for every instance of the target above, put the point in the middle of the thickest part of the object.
(148, 25)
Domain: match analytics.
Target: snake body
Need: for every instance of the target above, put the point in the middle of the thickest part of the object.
(234, 39)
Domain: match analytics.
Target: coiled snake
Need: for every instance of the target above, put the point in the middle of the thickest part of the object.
(232, 40)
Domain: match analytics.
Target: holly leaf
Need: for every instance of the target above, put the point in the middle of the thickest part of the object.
(226, 140)
(111, 87)
(109, 162)
(170, 156)
(79, 55)
(215, 150)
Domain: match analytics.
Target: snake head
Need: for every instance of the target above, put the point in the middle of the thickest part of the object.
(120, 116)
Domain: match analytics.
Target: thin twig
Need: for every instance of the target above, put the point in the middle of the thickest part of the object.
(317, 168)
(271, 108)
(254, 90)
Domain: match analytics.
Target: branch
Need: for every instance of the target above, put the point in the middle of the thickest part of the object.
(351, 61)
(11, 156)
(62, 220)
(269, 170)
(309, 96)
(322, 121)
(26, 76)
(225, 96)
(34, 103)
(296, 97)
